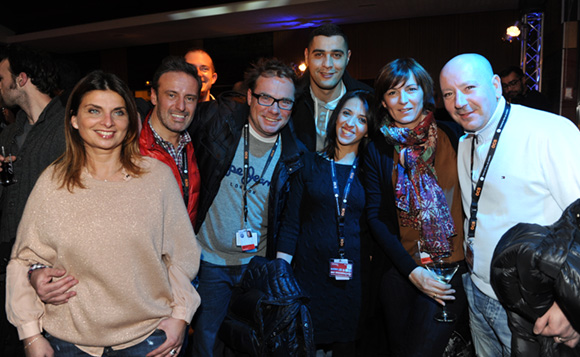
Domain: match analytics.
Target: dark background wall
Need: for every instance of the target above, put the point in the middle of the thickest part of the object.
(430, 40)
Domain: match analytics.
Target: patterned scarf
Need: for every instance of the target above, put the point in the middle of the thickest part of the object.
(417, 193)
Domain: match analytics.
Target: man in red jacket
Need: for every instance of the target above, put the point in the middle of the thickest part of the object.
(174, 94)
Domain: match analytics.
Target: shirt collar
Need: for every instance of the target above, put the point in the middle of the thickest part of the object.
(332, 104)
(184, 138)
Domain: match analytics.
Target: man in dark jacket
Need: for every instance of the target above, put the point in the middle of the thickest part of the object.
(322, 86)
(28, 80)
(515, 90)
(246, 154)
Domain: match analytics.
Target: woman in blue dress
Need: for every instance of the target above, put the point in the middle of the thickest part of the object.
(324, 232)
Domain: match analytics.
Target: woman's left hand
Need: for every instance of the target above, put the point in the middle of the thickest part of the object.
(427, 282)
(175, 332)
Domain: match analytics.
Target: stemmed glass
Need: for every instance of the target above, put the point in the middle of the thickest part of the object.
(444, 272)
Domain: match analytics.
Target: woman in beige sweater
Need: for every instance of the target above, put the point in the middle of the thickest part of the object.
(116, 222)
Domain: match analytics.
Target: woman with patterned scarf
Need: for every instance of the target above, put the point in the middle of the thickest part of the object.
(414, 211)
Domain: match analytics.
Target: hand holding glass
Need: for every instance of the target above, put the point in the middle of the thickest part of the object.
(444, 272)
(7, 173)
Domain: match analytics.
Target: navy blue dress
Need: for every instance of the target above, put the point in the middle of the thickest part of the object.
(309, 233)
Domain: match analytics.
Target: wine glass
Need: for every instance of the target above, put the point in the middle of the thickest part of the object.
(444, 272)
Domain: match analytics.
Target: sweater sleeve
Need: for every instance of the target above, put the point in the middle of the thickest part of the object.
(181, 252)
(23, 307)
(380, 207)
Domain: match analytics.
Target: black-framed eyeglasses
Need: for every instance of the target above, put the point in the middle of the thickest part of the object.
(511, 83)
(268, 101)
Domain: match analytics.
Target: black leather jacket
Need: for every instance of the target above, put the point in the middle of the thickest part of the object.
(533, 267)
(267, 315)
(216, 132)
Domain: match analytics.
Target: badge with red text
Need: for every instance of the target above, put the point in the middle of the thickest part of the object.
(341, 269)
(424, 256)
(247, 239)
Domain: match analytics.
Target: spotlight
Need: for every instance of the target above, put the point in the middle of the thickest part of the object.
(512, 32)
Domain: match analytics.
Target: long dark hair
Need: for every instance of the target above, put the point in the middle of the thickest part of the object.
(331, 141)
(69, 166)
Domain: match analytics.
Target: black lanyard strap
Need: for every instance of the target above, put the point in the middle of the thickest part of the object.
(476, 192)
(247, 166)
(341, 208)
(184, 173)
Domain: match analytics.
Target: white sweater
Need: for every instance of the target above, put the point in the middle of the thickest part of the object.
(533, 177)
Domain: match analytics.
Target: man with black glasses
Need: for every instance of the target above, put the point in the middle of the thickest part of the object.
(246, 154)
(515, 91)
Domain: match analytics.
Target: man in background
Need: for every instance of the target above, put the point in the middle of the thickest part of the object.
(206, 70)
(322, 86)
(28, 81)
(515, 91)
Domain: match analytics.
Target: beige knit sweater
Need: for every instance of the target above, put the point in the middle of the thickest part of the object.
(131, 246)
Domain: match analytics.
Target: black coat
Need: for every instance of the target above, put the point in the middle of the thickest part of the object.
(267, 315)
(216, 132)
(533, 267)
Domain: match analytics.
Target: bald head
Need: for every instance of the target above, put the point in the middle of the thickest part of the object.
(470, 90)
(473, 60)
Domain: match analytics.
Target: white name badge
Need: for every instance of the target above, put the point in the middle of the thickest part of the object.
(341, 269)
(247, 239)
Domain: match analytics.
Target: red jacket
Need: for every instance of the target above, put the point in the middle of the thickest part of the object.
(149, 147)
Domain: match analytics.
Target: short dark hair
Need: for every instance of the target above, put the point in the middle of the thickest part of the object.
(38, 65)
(327, 30)
(399, 71)
(331, 141)
(268, 67)
(175, 64)
(511, 69)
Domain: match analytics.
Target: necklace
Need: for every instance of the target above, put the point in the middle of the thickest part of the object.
(119, 175)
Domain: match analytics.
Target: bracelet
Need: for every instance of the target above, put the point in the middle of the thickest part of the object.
(34, 267)
(31, 342)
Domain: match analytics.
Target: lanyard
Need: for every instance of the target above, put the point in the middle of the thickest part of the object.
(184, 177)
(341, 209)
(247, 165)
(476, 192)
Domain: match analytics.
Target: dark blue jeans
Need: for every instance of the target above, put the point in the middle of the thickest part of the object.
(66, 349)
(216, 283)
